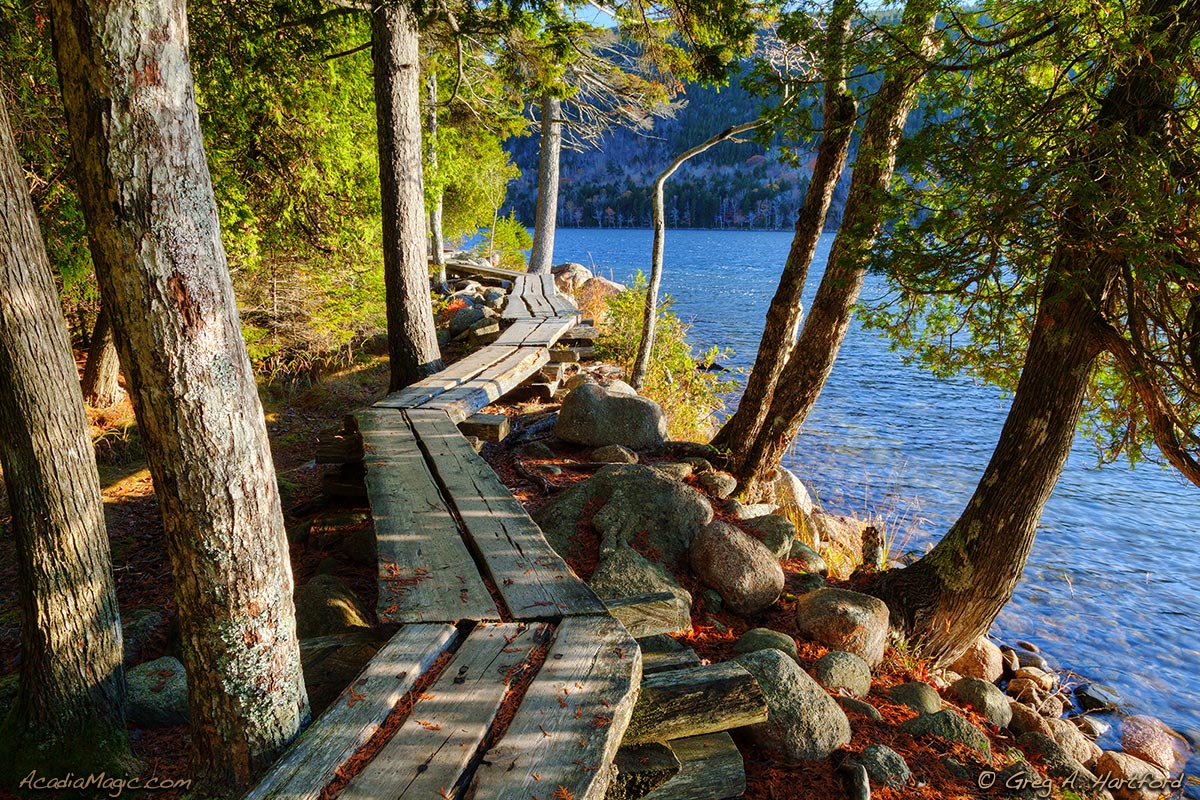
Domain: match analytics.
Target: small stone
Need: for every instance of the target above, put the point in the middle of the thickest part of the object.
(804, 582)
(575, 381)
(921, 697)
(985, 698)
(712, 600)
(1091, 726)
(844, 620)
(1052, 706)
(1026, 719)
(809, 558)
(982, 659)
(538, 451)
(1137, 776)
(719, 484)
(764, 638)
(675, 470)
(1045, 680)
(1150, 740)
(1097, 697)
(885, 766)
(157, 694)
(804, 723)
(1026, 659)
(840, 670)
(463, 319)
(1011, 662)
(1072, 740)
(792, 494)
(1025, 690)
(951, 726)
(776, 532)
(745, 572)
(1055, 759)
(548, 469)
(697, 463)
(855, 706)
(614, 454)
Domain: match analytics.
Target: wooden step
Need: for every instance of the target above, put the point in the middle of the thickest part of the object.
(662, 654)
(712, 769)
(566, 732)
(695, 701)
(488, 427)
(650, 614)
(312, 761)
(426, 572)
(435, 751)
(531, 577)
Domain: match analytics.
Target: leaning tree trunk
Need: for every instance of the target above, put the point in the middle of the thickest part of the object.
(152, 223)
(641, 364)
(783, 315)
(952, 595)
(68, 713)
(437, 242)
(805, 372)
(546, 209)
(412, 338)
(100, 373)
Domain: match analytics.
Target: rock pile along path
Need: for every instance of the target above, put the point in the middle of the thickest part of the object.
(447, 708)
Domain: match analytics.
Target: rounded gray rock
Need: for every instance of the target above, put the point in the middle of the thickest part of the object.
(614, 454)
(885, 766)
(719, 484)
(844, 620)
(157, 693)
(953, 727)
(838, 669)
(595, 416)
(738, 566)
(804, 722)
(809, 558)
(776, 532)
(757, 639)
(920, 697)
(984, 697)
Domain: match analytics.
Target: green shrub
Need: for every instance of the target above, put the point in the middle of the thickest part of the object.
(509, 240)
(678, 378)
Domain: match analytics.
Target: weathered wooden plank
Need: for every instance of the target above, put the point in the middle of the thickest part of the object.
(517, 305)
(426, 573)
(538, 291)
(690, 702)
(518, 332)
(500, 379)
(456, 374)
(466, 270)
(582, 333)
(569, 725)
(547, 332)
(712, 770)
(489, 427)
(312, 761)
(434, 750)
(650, 614)
(663, 654)
(533, 579)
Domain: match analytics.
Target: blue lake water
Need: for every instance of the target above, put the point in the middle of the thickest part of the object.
(1112, 587)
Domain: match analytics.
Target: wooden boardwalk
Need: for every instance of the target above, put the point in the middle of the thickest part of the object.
(481, 600)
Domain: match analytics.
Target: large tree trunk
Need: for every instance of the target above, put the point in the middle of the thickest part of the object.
(783, 315)
(641, 364)
(437, 242)
(152, 222)
(546, 210)
(100, 373)
(807, 369)
(68, 712)
(412, 338)
(952, 595)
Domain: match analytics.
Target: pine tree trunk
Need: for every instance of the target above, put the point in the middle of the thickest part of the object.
(412, 338)
(952, 595)
(69, 711)
(437, 242)
(152, 222)
(805, 372)
(100, 373)
(546, 210)
(783, 315)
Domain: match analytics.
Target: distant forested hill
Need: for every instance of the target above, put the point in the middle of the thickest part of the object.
(731, 186)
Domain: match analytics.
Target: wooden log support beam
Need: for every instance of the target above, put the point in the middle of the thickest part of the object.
(640, 769)
(662, 654)
(488, 427)
(437, 748)
(564, 355)
(467, 270)
(650, 614)
(690, 702)
(582, 334)
(426, 573)
(569, 726)
(712, 769)
(531, 577)
(312, 761)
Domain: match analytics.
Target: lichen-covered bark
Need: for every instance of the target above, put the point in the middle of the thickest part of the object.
(72, 683)
(412, 338)
(784, 312)
(546, 206)
(951, 595)
(152, 222)
(100, 386)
